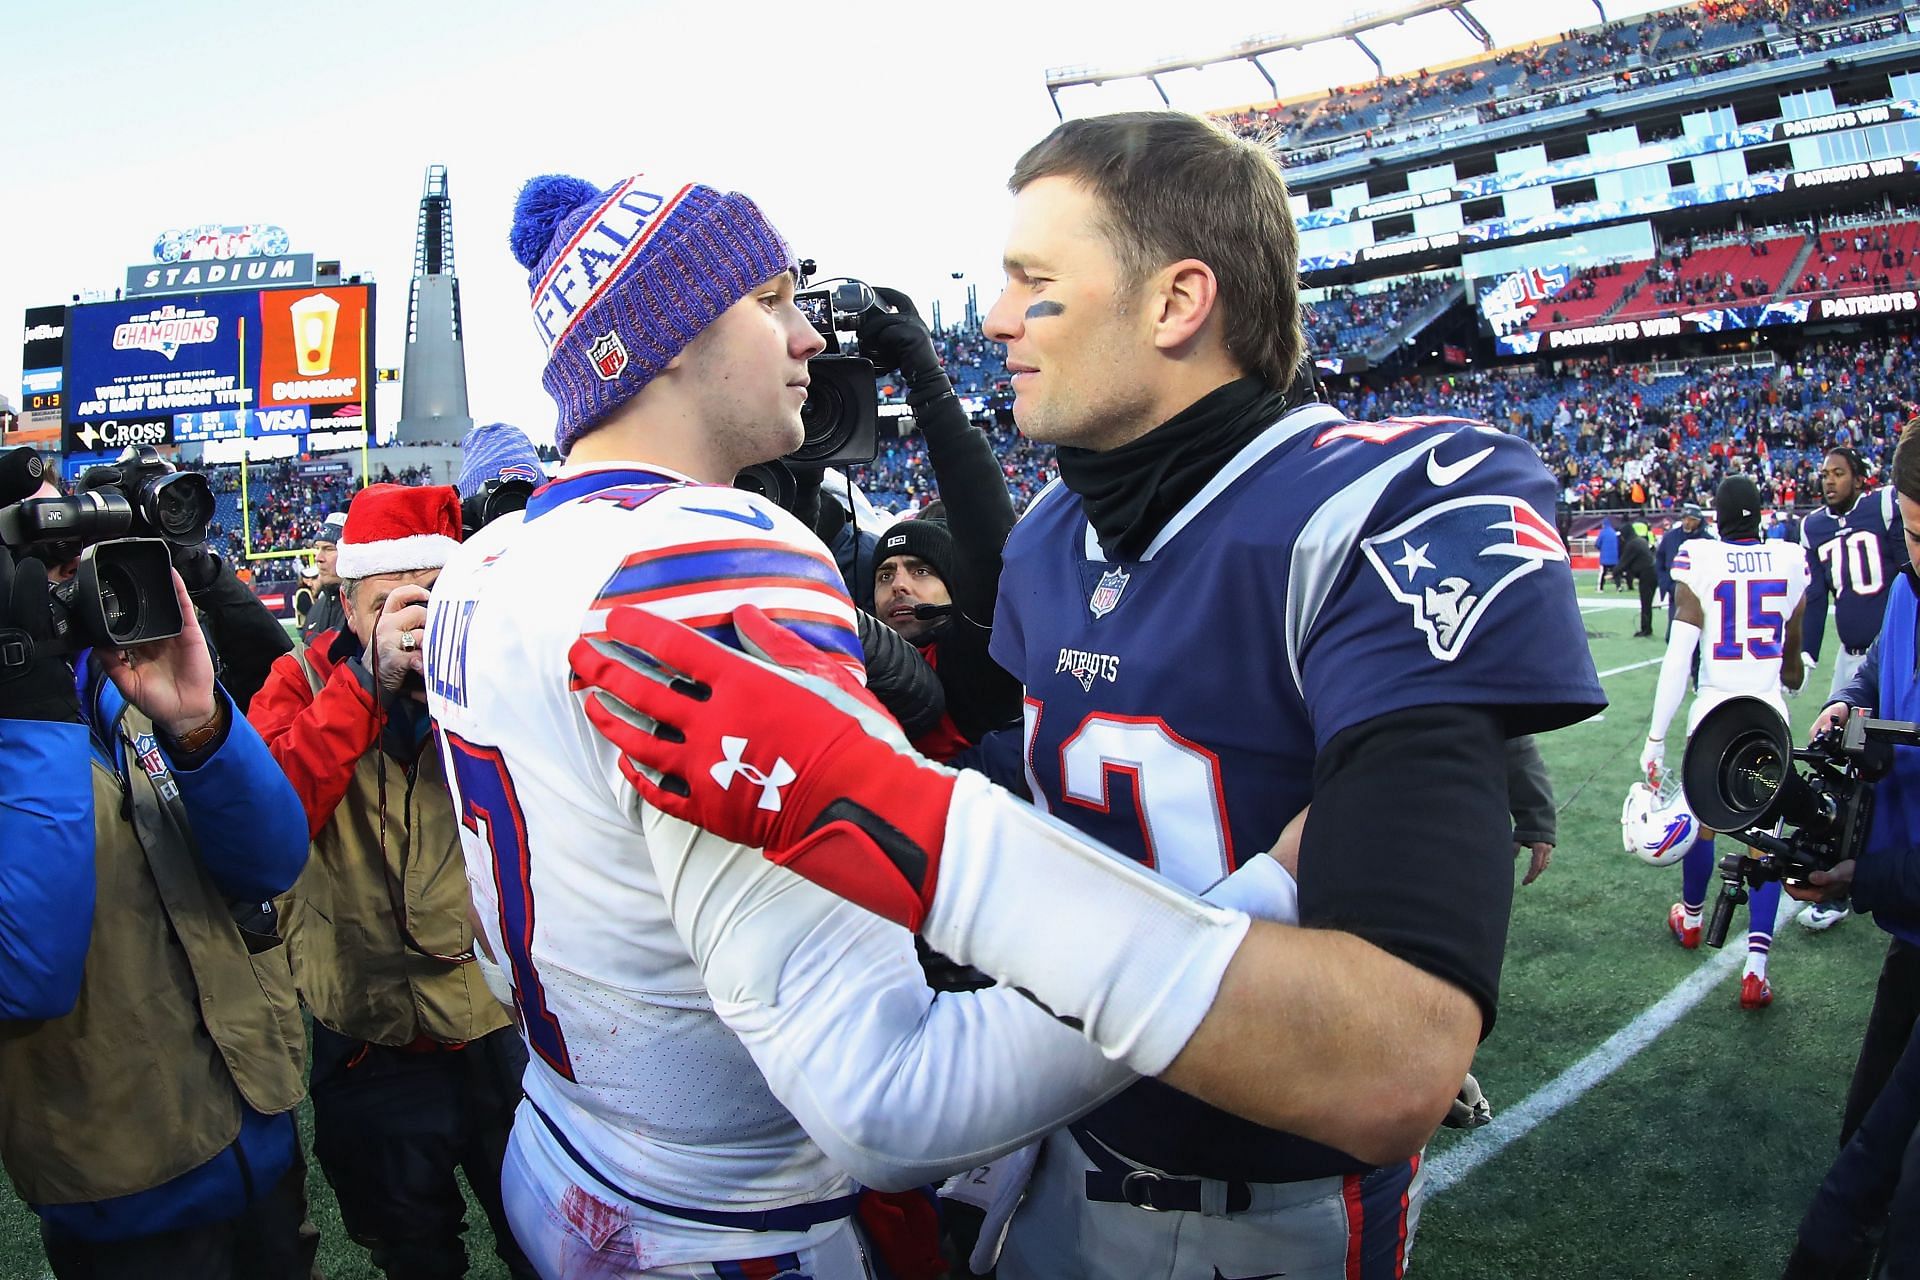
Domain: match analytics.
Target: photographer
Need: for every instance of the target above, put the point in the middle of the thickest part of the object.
(327, 614)
(962, 550)
(1877, 1125)
(416, 1068)
(150, 1056)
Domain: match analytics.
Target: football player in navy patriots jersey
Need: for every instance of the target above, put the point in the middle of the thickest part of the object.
(1401, 605)
(1854, 549)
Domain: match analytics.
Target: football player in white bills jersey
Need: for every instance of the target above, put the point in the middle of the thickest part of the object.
(719, 1049)
(1739, 599)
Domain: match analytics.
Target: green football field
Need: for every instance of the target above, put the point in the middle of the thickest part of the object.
(1644, 1124)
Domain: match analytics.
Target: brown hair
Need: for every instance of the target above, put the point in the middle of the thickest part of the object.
(1177, 186)
(1906, 461)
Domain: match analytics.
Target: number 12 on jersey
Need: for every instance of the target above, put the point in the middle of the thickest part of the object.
(1762, 629)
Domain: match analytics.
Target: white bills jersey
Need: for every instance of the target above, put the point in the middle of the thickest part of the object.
(1747, 592)
(676, 1059)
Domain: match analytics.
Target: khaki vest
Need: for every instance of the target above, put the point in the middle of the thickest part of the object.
(354, 969)
(176, 1021)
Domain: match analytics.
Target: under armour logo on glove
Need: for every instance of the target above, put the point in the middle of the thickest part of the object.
(734, 767)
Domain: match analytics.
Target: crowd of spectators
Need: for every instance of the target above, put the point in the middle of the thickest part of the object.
(1614, 437)
(286, 507)
(1681, 43)
(1344, 320)
(1621, 438)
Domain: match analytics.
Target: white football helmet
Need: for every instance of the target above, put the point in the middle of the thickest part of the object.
(1656, 826)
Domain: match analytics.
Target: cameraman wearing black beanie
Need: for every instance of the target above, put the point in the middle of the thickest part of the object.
(934, 581)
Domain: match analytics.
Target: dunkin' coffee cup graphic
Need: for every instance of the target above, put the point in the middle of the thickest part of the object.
(313, 322)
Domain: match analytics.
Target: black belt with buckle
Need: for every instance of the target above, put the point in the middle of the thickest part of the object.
(1113, 1180)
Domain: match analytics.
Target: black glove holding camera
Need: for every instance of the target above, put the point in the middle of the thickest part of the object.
(35, 681)
(898, 339)
(903, 680)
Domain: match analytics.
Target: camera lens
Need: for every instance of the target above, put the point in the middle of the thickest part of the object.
(179, 507)
(770, 480)
(1753, 773)
(119, 601)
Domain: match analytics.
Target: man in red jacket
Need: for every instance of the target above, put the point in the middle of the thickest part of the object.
(416, 1066)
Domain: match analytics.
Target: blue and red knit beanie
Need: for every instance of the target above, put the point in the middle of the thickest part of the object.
(623, 279)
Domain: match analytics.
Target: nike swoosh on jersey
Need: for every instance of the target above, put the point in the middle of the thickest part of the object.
(758, 519)
(1445, 473)
(1271, 1275)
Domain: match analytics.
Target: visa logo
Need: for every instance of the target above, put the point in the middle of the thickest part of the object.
(279, 420)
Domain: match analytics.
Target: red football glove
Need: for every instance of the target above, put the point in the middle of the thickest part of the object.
(801, 763)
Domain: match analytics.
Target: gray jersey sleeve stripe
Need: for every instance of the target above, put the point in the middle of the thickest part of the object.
(1326, 546)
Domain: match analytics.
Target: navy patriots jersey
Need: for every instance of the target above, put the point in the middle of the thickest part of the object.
(1332, 572)
(1852, 558)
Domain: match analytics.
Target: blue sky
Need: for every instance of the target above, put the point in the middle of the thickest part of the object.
(878, 136)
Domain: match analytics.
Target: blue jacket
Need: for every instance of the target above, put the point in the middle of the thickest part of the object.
(1670, 543)
(252, 836)
(1887, 880)
(1609, 542)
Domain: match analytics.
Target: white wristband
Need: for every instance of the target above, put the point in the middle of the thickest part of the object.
(1092, 936)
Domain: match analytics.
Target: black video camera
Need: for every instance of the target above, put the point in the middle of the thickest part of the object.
(1739, 776)
(497, 497)
(125, 526)
(842, 414)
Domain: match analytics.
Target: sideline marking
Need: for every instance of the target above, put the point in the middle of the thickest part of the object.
(1448, 1170)
(1633, 666)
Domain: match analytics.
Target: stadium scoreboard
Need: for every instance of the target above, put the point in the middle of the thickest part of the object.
(254, 373)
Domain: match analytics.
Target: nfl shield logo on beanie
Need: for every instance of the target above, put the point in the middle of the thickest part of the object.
(609, 356)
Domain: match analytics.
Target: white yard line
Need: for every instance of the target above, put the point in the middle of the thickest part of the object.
(1633, 666)
(1448, 1170)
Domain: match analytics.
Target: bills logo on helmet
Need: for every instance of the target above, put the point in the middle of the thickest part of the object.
(1451, 561)
(1657, 826)
(609, 356)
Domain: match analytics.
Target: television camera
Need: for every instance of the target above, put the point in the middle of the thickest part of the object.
(125, 525)
(841, 416)
(1797, 810)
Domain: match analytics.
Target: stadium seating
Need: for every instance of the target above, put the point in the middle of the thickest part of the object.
(1589, 295)
(1660, 46)
(1860, 259)
(1722, 275)
(1346, 321)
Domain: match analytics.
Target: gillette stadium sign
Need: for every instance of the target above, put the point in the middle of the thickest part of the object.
(246, 256)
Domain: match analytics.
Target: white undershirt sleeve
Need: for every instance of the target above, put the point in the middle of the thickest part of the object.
(1674, 671)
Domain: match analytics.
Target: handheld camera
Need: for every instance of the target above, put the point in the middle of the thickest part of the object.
(841, 417)
(124, 527)
(1800, 810)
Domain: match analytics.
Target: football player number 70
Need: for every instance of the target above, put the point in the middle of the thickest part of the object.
(1176, 789)
(490, 809)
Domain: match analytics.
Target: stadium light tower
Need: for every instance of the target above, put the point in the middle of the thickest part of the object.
(433, 388)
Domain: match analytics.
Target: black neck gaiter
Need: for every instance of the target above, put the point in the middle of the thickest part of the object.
(1130, 493)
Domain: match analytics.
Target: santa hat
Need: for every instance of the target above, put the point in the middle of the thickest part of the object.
(398, 528)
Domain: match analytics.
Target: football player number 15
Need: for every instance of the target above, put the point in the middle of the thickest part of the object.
(490, 809)
(1176, 790)
(1751, 623)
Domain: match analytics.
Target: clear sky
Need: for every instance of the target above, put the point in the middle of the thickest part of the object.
(877, 135)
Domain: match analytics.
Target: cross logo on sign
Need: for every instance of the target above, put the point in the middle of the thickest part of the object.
(769, 783)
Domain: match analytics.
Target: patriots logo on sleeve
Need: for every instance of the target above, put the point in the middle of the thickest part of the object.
(1451, 560)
